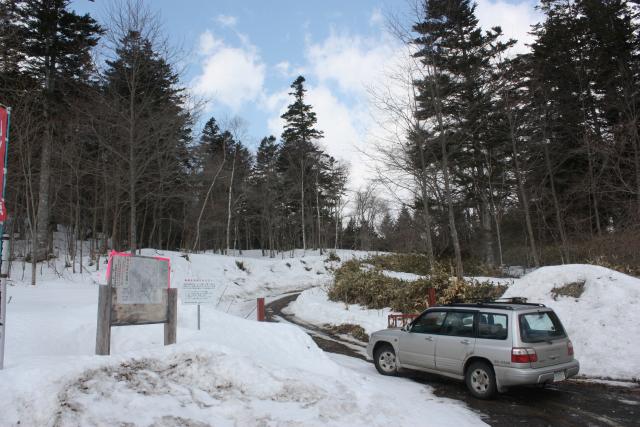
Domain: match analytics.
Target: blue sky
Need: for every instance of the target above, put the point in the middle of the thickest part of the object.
(241, 55)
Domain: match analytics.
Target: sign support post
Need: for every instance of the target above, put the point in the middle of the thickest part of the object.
(198, 316)
(5, 120)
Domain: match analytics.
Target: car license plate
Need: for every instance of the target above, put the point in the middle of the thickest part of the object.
(558, 376)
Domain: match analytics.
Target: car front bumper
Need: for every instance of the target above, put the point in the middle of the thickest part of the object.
(370, 350)
(523, 376)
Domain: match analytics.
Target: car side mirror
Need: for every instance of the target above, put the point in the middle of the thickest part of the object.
(406, 327)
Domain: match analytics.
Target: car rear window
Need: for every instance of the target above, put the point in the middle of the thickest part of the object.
(540, 326)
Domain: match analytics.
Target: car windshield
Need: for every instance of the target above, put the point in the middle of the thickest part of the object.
(540, 326)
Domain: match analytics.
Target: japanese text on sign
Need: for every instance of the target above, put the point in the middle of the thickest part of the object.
(198, 291)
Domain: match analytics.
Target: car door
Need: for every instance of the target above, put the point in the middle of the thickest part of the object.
(456, 341)
(416, 346)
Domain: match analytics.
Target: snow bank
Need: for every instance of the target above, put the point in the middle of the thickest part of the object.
(232, 372)
(202, 385)
(603, 323)
(407, 277)
(313, 306)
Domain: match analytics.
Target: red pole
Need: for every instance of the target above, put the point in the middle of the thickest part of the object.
(432, 297)
(260, 310)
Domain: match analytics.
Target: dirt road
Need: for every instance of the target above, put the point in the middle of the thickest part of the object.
(569, 403)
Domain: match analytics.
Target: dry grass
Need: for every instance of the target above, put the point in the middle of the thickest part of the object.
(573, 290)
(372, 289)
(355, 331)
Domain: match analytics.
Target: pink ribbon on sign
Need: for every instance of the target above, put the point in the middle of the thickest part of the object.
(127, 254)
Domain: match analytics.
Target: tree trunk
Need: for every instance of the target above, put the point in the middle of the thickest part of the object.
(335, 246)
(304, 240)
(445, 172)
(94, 225)
(318, 214)
(40, 251)
(133, 211)
(426, 215)
(114, 223)
(196, 240)
(498, 237)
(233, 170)
(556, 205)
(524, 202)
(487, 237)
(636, 161)
(132, 172)
(452, 219)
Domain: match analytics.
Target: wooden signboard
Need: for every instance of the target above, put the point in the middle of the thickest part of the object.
(138, 292)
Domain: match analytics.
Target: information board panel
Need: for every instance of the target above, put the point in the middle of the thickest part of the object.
(138, 292)
(138, 280)
(198, 291)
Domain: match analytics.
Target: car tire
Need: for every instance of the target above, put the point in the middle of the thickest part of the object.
(481, 380)
(385, 360)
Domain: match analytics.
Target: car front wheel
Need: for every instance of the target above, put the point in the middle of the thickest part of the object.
(481, 380)
(385, 360)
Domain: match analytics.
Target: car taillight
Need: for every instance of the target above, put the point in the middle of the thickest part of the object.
(523, 355)
(570, 348)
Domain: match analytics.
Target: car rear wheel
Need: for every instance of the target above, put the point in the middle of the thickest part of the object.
(385, 360)
(481, 380)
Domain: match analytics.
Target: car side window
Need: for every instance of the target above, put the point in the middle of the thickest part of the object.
(492, 326)
(429, 323)
(459, 324)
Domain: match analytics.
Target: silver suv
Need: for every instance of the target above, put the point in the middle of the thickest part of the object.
(490, 346)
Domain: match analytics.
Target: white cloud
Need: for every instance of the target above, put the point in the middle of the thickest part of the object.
(353, 62)
(339, 70)
(376, 19)
(276, 103)
(339, 122)
(515, 19)
(283, 68)
(230, 75)
(227, 20)
(208, 43)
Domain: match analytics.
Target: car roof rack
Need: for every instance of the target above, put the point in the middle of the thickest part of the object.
(502, 303)
(512, 300)
(533, 304)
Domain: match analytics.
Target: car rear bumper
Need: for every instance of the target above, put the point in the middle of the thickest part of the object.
(523, 376)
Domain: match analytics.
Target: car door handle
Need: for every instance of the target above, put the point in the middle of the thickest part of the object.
(465, 342)
(428, 338)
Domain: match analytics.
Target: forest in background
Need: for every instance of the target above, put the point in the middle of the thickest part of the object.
(496, 158)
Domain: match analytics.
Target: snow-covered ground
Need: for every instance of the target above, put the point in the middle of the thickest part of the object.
(313, 306)
(604, 323)
(231, 372)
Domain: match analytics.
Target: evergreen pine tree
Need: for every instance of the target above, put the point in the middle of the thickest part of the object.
(145, 111)
(56, 44)
(298, 154)
(455, 102)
